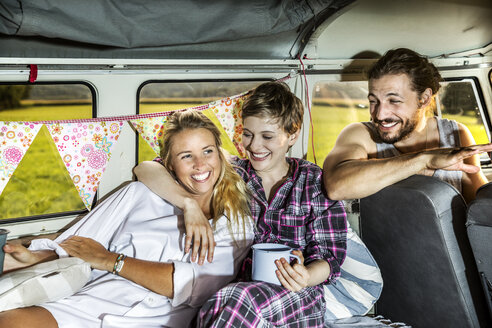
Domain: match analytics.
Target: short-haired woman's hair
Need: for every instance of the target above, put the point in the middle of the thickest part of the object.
(422, 73)
(230, 196)
(275, 100)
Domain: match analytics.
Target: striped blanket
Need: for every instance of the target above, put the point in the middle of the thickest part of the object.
(360, 283)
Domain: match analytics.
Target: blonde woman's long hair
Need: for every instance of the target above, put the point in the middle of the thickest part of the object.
(230, 195)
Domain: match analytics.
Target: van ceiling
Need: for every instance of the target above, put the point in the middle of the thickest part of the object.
(241, 29)
(172, 29)
(432, 27)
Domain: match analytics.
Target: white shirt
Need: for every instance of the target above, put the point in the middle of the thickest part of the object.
(138, 223)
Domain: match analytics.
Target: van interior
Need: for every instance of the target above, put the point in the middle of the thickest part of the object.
(66, 62)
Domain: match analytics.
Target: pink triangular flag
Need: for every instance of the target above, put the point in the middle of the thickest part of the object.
(151, 129)
(15, 140)
(228, 112)
(85, 149)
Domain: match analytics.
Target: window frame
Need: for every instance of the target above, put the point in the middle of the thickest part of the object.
(74, 213)
(479, 96)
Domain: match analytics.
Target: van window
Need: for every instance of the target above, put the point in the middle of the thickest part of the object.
(459, 102)
(40, 186)
(163, 96)
(334, 106)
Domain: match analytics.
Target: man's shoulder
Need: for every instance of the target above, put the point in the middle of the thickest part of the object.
(359, 131)
(450, 124)
(358, 136)
(359, 126)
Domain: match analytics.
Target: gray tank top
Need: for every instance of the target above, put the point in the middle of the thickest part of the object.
(448, 137)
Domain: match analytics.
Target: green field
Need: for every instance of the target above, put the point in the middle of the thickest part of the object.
(41, 185)
(327, 123)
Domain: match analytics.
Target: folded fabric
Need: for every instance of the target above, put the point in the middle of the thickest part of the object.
(43, 282)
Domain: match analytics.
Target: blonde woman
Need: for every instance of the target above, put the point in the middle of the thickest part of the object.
(155, 283)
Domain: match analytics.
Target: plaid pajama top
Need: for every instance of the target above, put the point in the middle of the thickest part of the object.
(299, 215)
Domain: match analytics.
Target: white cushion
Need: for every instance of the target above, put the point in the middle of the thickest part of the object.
(43, 282)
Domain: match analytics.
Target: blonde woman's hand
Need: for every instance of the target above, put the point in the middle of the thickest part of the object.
(294, 277)
(90, 251)
(199, 232)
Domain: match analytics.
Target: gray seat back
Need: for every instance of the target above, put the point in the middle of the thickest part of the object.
(416, 231)
(479, 229)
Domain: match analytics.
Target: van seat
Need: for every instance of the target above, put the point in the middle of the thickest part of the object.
(479, 229)
(416, 231)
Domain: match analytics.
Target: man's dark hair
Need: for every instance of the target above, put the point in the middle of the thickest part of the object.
(422, 73)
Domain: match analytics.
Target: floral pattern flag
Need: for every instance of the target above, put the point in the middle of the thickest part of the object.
(15, 140)
(85, 149)
(151, 129)
(228, 112)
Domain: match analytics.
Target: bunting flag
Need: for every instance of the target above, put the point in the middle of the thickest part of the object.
(85, 149)
(15, 140)
(151, 129)
(228, 112)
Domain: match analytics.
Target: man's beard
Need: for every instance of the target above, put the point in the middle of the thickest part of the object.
(407, 128)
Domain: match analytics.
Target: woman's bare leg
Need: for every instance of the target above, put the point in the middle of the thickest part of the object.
(30, 317)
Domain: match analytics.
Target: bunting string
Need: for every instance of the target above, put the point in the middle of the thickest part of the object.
(122, 118)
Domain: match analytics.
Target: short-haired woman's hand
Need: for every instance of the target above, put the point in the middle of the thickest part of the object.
(17, 256)
(294, 277)
(198, 231)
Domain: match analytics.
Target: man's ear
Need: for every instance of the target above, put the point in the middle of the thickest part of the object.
(425, 98)
(293, 138)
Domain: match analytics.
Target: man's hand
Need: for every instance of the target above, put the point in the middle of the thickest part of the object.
(452, 159)
(198, 231)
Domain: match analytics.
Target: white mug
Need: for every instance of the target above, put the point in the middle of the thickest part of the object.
(3, 239)
(264, 256)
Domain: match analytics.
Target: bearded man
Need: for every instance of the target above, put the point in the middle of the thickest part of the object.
(404, 137)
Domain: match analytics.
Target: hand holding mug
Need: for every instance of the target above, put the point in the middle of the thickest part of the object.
(264, 261)
(294, 276)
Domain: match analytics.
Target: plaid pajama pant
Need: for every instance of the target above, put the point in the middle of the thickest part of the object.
(259, 304)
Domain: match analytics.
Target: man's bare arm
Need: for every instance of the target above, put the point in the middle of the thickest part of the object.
(349, 172)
